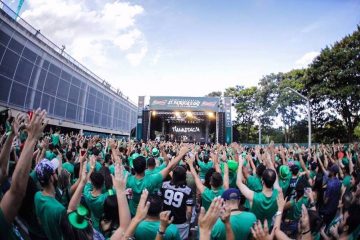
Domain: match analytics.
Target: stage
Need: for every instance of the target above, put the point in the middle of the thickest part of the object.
(183, 126)
(185, 119)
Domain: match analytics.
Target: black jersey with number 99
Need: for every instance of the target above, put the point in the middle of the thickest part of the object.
(176, 199)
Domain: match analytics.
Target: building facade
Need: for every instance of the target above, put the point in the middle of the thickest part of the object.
(34, 73)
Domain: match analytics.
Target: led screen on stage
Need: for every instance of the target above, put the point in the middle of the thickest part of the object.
(187, 132)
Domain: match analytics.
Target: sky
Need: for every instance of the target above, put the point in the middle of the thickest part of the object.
(190, 47)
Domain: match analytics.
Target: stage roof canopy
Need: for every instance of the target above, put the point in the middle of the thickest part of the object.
(184, 103)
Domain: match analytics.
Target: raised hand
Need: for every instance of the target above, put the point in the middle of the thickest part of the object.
(143, 206)
(261, 232)
(18, 123)
(208, 219)
(36, 125)
(119, 180)
(165, 220)
(225, 215)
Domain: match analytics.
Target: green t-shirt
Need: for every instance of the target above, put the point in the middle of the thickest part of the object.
(208, 195)
(147, 230)
(284, 184)
(149, 182)
(155, 170)
(347, 182)
(204, 168)
(241, 224)
(254, 183)
(55, 138)
(98, 166)
(95, 205)
(49, 212)
(264, 207)
(50, 155)
(294, 212)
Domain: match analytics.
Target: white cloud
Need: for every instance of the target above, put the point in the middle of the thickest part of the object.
(136, 57)
(89, 31)
(306, 59)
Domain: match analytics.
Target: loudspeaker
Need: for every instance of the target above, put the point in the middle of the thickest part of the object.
(221, 125)
(145, 125)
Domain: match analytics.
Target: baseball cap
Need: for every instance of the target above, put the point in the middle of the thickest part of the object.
(231, 194)
(334, 168)
(284, 172)
(233, 165)
(155, 152)
(45, 168)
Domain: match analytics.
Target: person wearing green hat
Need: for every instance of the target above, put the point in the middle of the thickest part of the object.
(284, 177)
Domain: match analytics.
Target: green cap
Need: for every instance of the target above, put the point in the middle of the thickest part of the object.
(77, 218)
(284, 172)
(233, 165)
(98, 145)
(155, 152)
(345, 161)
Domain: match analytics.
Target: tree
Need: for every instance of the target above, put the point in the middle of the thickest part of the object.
(214, 94)
(357, 131)
(334, 79)
(246, 107)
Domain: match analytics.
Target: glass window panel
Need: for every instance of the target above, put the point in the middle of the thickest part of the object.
(60, 108)
(100, 95)
(2, 51)
(104, 120)
(4, 38)
(38, 59)
(63, 89)
(76, 82)
(33, 76)
(54, 69)
(66, 76)
(98, 106)
(51, 84)
(41, 81)
(37, 100)
(89, 117)
(74, 94)
(5, 84)
(23, 71)
(16, 46)
(47, 103)
(81, 97)
(71, 111)
(30, 55)
(8, 64)
(18, 94)
(28, 98)
(104, 108)
(46, 64)
(97, 118)
(80, 113)
(83, 85)
(93, 91)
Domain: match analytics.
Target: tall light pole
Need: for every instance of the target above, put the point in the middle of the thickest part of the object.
(308, 109)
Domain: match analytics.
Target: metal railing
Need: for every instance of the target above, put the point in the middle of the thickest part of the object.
(11, 15)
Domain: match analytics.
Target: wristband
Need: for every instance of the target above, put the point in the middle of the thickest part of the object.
(306, 232)
(278, 213)
(161, 233)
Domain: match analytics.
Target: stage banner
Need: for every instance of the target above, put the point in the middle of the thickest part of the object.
(141, 104)
(228, 122)
(184, 103)
(187, 132)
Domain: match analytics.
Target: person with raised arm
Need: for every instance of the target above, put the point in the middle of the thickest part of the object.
(11, 201)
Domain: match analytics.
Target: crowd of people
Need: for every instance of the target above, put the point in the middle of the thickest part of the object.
(67, 186)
